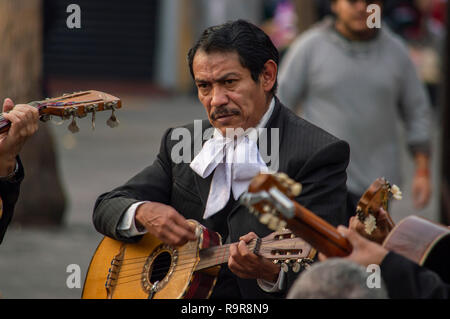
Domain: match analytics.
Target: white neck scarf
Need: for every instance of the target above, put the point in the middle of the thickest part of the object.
(235, 161)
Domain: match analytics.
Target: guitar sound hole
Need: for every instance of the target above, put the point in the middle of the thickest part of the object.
(160, 267)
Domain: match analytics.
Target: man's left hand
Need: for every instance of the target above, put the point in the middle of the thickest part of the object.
(421, 190)
(24, 123)
(247, 265)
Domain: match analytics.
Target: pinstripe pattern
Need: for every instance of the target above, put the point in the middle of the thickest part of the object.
(307, 153)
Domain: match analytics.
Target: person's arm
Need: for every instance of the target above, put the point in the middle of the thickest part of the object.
(406, 280)
(153, 187)
(415, 110)
(421, 186)
(9, 194)
(23, 124)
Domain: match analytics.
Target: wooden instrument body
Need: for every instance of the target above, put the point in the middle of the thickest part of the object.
(119, 270)
(135, 269)
(424, 242)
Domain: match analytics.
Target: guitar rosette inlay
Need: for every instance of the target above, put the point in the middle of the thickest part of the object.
(158, 268)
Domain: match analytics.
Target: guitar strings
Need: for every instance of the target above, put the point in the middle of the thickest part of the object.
(179, 267)
(160, 270)
(222, 255)
(194, 250)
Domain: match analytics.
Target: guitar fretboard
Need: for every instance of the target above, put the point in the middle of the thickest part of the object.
(218, 255)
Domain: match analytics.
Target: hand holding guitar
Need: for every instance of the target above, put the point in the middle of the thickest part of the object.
(24, 123)
(365, 252)
(165, 223)
(248, 265)
(378, 235)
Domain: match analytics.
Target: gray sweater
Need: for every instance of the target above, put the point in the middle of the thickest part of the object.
(359, 92)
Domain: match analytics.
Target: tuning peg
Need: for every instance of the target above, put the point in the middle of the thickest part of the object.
(265, 218)
(112, 121)
(93, 119)
(73, 127)
(296, 267)
(284, 267)
(282, 176)
(273, 223)
(282, 224)
(295, 189)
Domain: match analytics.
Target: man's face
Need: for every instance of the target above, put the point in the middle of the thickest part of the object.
(231, 97)
(353, 14)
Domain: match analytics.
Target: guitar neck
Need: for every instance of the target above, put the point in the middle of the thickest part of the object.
(320, 234)
(218, 255)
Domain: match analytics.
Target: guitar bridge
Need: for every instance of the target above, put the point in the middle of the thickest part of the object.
(113, 272)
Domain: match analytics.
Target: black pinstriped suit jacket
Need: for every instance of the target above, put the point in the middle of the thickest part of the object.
(9, 193)
(307, 153)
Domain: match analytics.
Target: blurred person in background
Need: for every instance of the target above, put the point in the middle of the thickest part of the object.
(24, 123)
(358, 83)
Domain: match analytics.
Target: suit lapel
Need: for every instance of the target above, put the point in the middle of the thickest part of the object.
(273, 122)
(202, 184)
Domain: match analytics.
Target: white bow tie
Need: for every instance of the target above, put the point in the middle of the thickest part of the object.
(235, 164)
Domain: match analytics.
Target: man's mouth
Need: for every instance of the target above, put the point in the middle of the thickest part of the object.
(223, 115)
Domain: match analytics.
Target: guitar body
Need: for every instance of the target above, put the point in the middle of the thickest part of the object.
(424, 242)
(150, 269)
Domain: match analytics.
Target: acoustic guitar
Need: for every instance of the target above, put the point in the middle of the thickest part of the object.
(71, 106)
(420, 240)
(150, 269)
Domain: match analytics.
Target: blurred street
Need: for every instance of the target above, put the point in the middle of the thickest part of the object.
(33, 261)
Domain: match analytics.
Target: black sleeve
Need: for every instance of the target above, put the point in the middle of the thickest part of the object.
(407, 280)
(151, 184)
(9, 193)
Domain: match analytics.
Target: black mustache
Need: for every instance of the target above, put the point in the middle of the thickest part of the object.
(224, 112)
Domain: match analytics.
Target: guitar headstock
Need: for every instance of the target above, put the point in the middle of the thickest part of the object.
(79, 104)
(284, 248)
(375, 197)
(269, 198)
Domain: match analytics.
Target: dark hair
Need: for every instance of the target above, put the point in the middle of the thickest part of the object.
(253, 46)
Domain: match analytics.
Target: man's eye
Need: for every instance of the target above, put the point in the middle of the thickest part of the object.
(230, 81)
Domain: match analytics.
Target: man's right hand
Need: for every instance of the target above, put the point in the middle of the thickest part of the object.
(165, 223)
(365, 252)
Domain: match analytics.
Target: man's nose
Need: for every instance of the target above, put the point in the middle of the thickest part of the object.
(219, 96)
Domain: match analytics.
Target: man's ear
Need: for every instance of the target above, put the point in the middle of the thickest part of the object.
(269, 75)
